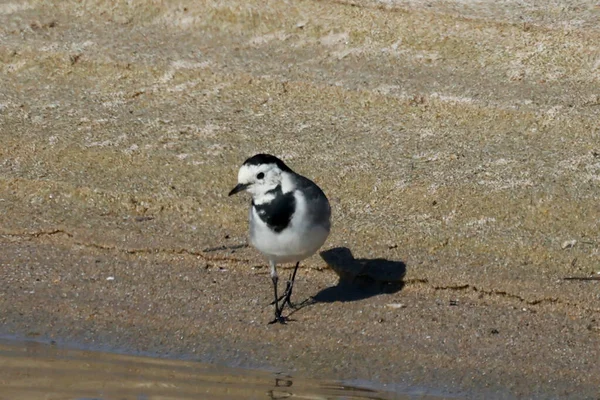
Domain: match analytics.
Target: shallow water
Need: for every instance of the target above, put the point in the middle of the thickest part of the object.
(33, 370)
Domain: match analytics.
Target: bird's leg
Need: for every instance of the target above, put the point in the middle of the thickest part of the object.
(275, 278)
(274, 274)
(290, 286)
(279, 298)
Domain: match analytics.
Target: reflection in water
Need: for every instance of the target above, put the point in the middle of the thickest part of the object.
(33, 370)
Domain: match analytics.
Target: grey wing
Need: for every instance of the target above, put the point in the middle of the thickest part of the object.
(317, 201)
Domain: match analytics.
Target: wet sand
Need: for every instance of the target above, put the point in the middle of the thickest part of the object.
(458, 141)
(32, 370)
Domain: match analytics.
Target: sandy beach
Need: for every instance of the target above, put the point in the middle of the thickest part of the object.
(458, 143)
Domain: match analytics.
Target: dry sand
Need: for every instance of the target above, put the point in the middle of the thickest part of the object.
(459, 140)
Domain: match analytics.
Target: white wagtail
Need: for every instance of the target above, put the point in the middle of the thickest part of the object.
(289, 216)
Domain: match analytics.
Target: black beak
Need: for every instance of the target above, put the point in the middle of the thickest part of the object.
(238, 188)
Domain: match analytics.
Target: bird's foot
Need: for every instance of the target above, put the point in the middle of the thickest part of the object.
(279, 319)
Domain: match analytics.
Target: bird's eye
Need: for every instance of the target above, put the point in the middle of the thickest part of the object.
(260, 175)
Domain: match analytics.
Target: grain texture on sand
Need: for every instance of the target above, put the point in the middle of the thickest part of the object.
(455, 139)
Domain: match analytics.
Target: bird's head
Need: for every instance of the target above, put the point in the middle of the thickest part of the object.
(259, 174)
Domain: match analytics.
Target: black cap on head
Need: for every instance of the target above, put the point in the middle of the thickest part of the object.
(259, 159)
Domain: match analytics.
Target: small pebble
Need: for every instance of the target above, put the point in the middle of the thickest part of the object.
(396, 305)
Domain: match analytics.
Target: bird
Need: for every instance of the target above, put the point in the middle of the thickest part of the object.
(289, 218)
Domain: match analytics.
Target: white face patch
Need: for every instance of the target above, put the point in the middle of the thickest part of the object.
(247, 173)
(261, 179)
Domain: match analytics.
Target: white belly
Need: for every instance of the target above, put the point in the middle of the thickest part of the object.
(296, 242)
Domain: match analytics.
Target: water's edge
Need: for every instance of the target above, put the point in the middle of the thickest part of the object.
(40, 365)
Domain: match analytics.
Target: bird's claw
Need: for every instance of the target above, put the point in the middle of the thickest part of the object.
(279, 319)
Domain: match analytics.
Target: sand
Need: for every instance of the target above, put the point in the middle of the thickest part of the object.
(456, 140)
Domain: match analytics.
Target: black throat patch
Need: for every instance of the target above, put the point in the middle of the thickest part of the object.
(277, 214)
